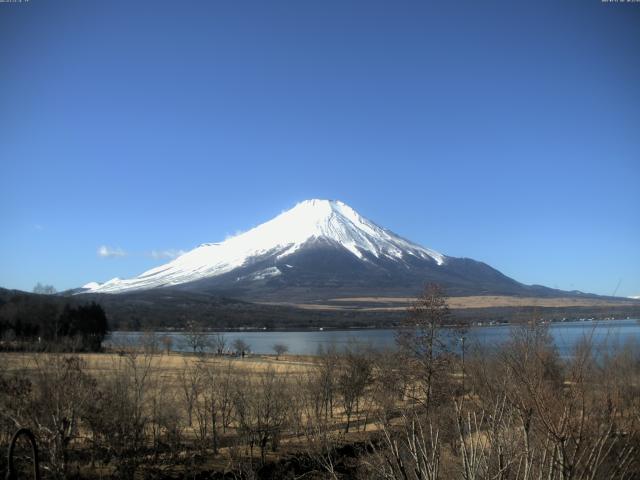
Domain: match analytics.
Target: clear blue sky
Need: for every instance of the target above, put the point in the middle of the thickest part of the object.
(508, 132)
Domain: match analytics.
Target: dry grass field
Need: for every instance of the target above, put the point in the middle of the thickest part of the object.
(169, 366)
(390, 304)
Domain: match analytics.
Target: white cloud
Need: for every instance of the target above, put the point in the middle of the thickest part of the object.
(170, 253)
(106, 252)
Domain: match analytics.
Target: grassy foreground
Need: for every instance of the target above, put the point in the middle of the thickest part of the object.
(518, 412)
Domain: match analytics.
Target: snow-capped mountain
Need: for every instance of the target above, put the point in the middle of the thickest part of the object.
(319, 248)
(309, 221)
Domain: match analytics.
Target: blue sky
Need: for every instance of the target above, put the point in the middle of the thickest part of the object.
(508, 132)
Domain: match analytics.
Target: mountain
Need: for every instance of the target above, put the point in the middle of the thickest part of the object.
(319, 249)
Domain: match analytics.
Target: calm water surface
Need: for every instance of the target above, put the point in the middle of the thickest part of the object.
(608, 334)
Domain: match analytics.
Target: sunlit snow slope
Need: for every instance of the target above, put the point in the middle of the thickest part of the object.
(328, 221)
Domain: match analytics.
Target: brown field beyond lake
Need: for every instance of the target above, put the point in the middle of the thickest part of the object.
(476, 301)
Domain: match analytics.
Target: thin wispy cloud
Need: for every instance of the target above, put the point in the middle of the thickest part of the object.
(169, 253)
(231, 235)
(109, 252)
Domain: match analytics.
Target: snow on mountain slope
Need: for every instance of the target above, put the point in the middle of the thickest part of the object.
(287, 233)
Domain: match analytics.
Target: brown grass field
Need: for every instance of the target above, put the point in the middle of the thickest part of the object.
(168, 366)
(373, 304)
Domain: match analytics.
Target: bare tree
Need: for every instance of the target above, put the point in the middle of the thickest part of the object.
(355, 375)
(412, 451)
(280, 349)
(389, 383)
(225, 389)
(165, 421)
(119, 414)
(219, 343)
(196, 337)
(190, 379)
(324, 382)
(262, 410)
(425, 344)
(241, 347)
(212, 405)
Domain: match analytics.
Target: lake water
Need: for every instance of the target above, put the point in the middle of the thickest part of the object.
(609, 334)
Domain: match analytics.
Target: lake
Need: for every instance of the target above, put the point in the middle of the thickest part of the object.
(608, 334)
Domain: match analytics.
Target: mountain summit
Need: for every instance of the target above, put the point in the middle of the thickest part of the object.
(317, 249)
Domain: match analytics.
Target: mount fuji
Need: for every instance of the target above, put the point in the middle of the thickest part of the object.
(319, 249)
